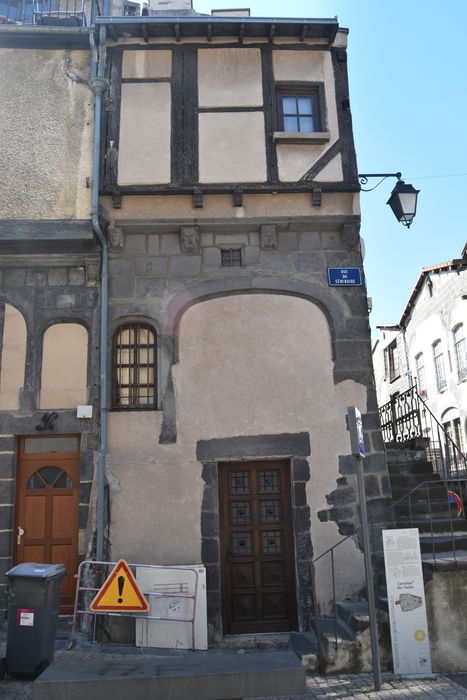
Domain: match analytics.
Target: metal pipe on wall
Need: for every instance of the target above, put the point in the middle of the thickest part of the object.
(98, 84)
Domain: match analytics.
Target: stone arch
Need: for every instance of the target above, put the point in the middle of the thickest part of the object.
(64, 369)
(13, 336)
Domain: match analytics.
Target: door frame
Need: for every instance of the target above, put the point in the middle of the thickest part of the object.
(65, 459)
(259, 559)
(294, 447)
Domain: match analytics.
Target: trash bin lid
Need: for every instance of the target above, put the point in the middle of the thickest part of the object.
(29, 570)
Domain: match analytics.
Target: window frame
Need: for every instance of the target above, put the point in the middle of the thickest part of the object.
(460, 352)
(320, 134)
(421, 374)
(392, 364)
(134, 387)
(440, 367)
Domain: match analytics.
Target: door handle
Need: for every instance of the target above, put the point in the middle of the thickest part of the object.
(20, 534)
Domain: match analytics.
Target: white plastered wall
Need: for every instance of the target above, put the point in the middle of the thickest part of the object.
(249, 365)
(13, 358)
(64, 366)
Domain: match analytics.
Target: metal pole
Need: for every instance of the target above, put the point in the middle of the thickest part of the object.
(368, 575)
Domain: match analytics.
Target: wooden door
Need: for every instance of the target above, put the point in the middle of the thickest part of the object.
(257, 560)
(47, 504)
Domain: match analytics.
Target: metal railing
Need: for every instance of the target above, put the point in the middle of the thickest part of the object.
(431, 508)
(58, 13)
(408, 416)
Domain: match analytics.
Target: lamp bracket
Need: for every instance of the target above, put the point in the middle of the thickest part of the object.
(363, 178)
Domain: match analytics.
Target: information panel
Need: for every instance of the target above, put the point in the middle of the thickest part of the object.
(406, 602)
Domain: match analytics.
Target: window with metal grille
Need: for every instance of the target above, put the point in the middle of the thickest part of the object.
(134, 367)
(438, 357)
(460, 351)
(231, 257)
(421, 375)
(298, 109)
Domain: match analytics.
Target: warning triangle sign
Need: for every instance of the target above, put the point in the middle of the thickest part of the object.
(120, 592)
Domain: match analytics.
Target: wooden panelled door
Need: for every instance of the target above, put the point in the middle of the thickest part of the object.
(47, 505)
(257, 553)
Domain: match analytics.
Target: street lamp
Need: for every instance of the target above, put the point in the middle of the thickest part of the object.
(403, 199)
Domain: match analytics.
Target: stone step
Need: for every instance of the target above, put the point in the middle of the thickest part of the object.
(435, 525)
(211, 675)
(354, 614)
(433, 492)
(424, 467)
(443, 543)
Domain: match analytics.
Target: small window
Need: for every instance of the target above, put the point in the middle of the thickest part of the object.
(438, 357)
(460, 352)
(298, 110)
(134, 367)
(231, 257)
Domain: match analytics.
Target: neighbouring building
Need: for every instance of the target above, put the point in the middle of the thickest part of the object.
(428, 347)
(228, 189)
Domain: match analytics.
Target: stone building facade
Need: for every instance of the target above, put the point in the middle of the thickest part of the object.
(428, 347)
(228, 189)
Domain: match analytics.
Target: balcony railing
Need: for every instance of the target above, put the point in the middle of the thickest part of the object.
(408, 416)
(52, 13)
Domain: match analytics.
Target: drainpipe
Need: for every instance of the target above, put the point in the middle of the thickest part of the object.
(98, 84)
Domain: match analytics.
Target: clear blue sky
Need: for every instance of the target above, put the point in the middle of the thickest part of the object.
(407, 72)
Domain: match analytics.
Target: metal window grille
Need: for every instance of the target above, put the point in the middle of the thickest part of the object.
(231, 257)
(460, 352)
(134, 367)
(439, 366)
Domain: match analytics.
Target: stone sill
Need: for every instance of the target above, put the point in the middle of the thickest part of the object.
(315, 137)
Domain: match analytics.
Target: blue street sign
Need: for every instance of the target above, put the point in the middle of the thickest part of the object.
(344, 276)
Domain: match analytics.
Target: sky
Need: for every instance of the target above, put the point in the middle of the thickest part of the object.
(407, 62)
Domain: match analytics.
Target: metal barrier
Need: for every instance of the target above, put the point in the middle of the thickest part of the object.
(89, 569)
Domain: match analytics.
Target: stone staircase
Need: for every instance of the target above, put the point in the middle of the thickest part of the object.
(420, 499)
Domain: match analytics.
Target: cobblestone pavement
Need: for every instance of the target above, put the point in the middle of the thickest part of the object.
(319, 687)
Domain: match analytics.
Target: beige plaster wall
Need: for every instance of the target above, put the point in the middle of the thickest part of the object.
(230, 78)
(249, 365)
(339, 204)
(144, 148)
(13, 358)
(64, 366)
(232, 147)
(147, 64)
(46, 137)
(308, 67)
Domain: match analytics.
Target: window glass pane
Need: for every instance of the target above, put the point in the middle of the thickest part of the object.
(306, 124)
(63, 482)
(50, 474)
(289, 105)
(51, 444)
(134, 370)
(290, 124)
(35, 482)
(305, 105)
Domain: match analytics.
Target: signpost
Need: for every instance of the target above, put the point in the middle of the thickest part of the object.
(406, 602)
(344, 276)
(357, 444)
(120, 592)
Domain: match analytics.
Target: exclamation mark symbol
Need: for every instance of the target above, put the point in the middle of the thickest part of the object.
(121, 583)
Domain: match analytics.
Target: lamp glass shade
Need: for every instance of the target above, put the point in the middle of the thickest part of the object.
(403, 202)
